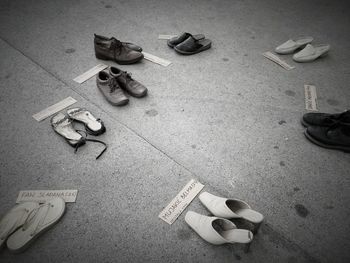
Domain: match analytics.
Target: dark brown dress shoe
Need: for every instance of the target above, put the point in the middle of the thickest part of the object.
(113, 49)
(110, 88)
(127, 83)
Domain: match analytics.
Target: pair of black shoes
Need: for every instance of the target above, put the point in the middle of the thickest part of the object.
(187, 44)
(328, 130)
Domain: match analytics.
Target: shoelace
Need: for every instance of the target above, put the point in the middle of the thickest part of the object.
(31, 219)
(337, 118)
(118, 46)
(90, 140)
(113, 84)
(336, 124)
(4, 235)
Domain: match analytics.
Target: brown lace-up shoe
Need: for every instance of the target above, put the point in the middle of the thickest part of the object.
(127, 83)
(113, 49)
(110, 88)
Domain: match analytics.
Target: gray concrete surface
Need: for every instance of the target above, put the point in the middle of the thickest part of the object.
(228, 117)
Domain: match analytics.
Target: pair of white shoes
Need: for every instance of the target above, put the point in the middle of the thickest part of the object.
(218, 229)
(307, 54)
(26, 221)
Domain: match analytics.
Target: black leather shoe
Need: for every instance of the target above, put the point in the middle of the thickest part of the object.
(324, 119)
(113, 49)
(193, 45)
(337, 136)
(181, 38)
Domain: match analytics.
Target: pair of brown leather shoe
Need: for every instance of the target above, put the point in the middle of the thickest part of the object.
(113, 49)
(113, 82)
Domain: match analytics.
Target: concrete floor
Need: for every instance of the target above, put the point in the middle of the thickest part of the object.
(228, 117)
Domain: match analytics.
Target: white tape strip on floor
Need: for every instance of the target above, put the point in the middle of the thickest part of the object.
(54, 109)
(310, 98)
(90, 73)
(165, 37)
(277, 60)
(156, 59)
(181, 201)
(41, 196)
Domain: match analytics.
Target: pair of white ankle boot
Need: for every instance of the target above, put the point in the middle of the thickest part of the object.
(218, 229)
(26, 221)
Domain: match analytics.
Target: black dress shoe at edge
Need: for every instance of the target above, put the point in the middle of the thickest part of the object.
(337, 136)
(324, 119)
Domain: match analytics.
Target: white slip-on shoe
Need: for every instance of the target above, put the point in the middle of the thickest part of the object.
(14, 219)
(40, 220)
(216, 230)
(230, 208)
(310, 53)
(291, 45)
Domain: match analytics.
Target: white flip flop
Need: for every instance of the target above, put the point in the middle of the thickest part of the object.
(39, 220)
(93, 125)
(291, 45)
(14, 219)
(310, 53)
(230, 208)
(216, 230)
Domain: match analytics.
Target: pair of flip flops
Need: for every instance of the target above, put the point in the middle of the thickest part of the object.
(218, 229)
(63, 125)
(20, 226)
(307, 54)
(188, 44)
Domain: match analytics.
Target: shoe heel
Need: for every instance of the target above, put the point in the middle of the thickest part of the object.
(99, 56)
(247, 247)
(256, 228)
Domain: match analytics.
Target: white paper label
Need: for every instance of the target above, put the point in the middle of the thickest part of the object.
(277, 60)
(54, 109)
(156, 59)
(181, 201)
(90, 73)
(165, 37)
(310, 98)
(41, 196)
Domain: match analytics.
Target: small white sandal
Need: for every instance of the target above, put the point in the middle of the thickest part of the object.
(92, 125)
(38, 221)
(14, 219)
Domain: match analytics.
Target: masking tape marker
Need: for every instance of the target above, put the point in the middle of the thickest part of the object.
(42, 196)
(156, 59)
(90, 73)
(166, 36)
(42, 115)
(277, 60)
(310, 98)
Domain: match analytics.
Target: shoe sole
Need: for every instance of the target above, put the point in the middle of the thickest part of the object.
(333, 147)
(121, 62)
(304, 123)
(194, 52)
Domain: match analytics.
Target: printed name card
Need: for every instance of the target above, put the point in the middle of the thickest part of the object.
(181, 201)
(41, 196)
